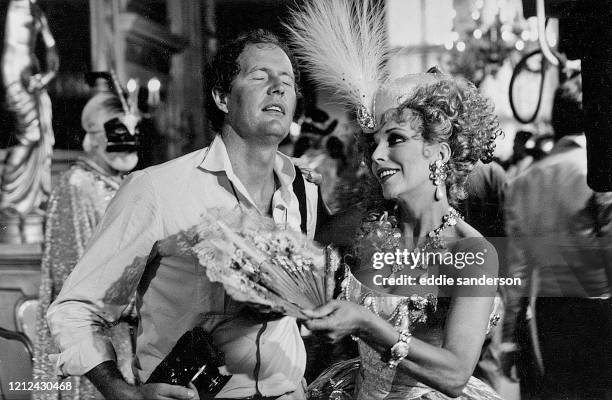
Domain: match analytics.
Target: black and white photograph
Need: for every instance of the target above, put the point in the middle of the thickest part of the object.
(306, 199)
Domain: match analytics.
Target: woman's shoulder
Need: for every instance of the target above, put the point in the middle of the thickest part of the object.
(464, 230)
(476, 251)
(468, 238)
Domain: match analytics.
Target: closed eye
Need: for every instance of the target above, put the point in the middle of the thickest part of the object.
(259, 75)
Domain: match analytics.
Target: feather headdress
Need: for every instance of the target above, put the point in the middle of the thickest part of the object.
(113, 89)
(343, 45)
(131, 119)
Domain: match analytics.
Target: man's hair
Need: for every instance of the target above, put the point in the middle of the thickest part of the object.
(567, 113)
(225, 67)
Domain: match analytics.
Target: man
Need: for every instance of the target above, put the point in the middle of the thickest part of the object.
(524, 143)
(77, 205)
(560, 246)
(254, 90)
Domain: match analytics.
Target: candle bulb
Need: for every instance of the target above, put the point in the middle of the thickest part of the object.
(133, 88)
(153, 86)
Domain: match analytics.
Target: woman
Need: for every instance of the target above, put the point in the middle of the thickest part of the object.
(421, 156)
(418, 339)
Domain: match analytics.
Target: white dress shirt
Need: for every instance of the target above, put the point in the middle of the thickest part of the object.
(173, 293)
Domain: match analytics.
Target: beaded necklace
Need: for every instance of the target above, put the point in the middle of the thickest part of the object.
(433, 242)
(409, 310)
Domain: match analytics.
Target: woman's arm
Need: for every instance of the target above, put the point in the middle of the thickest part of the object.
(446, 368)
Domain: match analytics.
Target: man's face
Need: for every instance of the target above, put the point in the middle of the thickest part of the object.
(262, 98)
(112, 161)
(121, 162)
(117, 148)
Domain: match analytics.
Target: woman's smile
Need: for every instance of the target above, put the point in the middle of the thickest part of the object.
(385, 174)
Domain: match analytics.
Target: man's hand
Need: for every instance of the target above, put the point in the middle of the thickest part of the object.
(109, 381)
(163, 391)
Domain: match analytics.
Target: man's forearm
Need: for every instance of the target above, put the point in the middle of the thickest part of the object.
(107, 378)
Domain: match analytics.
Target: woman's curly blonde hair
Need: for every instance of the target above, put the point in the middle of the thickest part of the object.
(452, 110)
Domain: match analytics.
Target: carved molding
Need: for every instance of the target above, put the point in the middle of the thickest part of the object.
(19, 256)
(20, 268)
(130, 43)
(139, 28)
(19, 279)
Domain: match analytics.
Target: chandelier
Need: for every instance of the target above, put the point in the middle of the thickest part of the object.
(485, 35)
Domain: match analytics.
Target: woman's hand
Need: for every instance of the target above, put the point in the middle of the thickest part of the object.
(337, 319)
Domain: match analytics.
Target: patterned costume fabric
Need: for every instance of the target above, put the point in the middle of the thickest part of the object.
(75, 208)
(370, 377)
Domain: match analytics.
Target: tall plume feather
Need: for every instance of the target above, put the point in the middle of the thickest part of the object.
(119, 91)
(342, 44)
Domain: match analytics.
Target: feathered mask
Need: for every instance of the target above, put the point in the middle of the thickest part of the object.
(110, 111)
(130, 117)
(343, 45)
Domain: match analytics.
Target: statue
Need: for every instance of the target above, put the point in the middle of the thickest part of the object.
(26, 175)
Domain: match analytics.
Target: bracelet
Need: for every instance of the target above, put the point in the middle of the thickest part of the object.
(400, 350)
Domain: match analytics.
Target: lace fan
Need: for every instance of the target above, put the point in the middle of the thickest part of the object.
(258, 262)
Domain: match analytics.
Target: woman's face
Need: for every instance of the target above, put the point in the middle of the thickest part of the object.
(401, 159)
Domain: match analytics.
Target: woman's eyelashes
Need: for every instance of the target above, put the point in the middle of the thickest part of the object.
(395, 138)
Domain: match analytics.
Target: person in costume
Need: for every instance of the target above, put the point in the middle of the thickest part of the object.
(76, 207)
(422, 136)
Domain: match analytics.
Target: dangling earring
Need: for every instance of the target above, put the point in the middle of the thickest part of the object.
(438, 175)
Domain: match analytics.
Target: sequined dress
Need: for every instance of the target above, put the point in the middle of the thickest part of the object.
(423, 313)
(76, 206)
(375, 379)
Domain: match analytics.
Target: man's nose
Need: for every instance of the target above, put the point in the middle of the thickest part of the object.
(276, 86)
